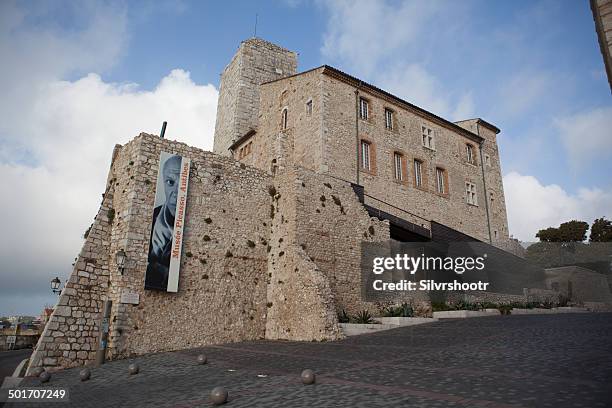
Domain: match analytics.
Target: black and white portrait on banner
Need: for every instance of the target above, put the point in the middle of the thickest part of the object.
(166, 239)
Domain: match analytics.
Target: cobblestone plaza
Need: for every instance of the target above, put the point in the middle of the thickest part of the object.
(505, 361)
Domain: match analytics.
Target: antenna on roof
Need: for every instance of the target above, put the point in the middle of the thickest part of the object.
(255, 34)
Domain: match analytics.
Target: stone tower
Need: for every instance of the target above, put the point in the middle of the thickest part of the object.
(256, 61)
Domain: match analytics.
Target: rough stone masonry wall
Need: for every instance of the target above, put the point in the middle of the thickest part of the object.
(256, 61)
(332, 225)
(70, 337)
(301, 141)
(223, 277)
(300, 301)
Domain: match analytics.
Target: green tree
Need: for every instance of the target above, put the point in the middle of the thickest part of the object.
(549, 235)
(573, 231)
(601, 230)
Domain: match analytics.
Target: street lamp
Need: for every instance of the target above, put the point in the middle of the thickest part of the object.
(120, 258)
(55, 284)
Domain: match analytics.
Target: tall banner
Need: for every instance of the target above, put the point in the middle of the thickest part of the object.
(166, 242)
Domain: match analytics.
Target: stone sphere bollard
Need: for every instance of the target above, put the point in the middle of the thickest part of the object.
(36, 372)
(202, 359)
(85, 374)
(44, 377)
(133, 369)
(308, 377)
(218, 396)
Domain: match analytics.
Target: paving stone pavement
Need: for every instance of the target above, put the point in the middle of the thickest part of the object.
(560, 360)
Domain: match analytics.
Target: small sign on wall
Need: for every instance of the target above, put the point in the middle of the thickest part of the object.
(129, 297)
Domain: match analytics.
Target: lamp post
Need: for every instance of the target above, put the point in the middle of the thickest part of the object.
(55, 284)
(120, 259)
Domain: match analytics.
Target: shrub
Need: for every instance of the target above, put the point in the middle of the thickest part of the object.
(440, 307)
(505, 309)
(547, 304)
(363, 317)
(404, 310)
(563, 301)
(343, 317)
(465, 305)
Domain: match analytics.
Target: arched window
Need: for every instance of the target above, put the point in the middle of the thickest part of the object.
(284, 119)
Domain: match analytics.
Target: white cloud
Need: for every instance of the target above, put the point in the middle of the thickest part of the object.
(363, 33)
(57, 136)
(586, 136)
(532, 206)
(387, 43)
(71, 130)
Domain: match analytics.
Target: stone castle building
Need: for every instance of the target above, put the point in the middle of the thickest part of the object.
(306, 166)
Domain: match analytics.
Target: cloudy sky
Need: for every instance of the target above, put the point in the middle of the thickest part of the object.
(79, 77)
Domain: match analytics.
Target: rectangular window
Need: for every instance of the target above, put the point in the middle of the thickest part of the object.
(469, 151)
(365, 155)
(309, 107)
(470, 193)
(398, 160)
(427, 136)
(363, 108)
(284, 119)
(440, 181)
(389, 119)
(487, 160)
(418, 173)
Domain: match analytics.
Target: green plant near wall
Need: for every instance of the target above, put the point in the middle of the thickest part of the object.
(404, 310)
(111, 215)
(488, 305)
(363, 317)
(343, 317)
(465, 305)
(504, 309)
(440, 307)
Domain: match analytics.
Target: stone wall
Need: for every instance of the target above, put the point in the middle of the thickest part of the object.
(300, 142)
(450, 209)
(579, 284)
(491, 164)
(256, 61)
(222, 285)
(325, 141)
(24, 339)
(300, 301)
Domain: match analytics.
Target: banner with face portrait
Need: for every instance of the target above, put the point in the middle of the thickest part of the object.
(166, 239)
